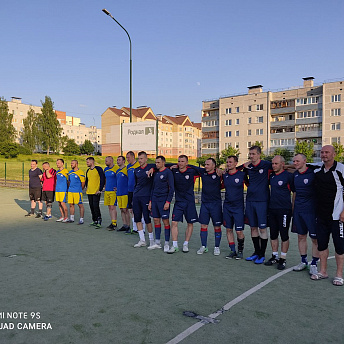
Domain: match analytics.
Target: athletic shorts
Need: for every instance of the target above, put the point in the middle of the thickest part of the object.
(130, 200)
(110, 198)
(304, 223)
(233, 216)
(61, 197)
(122, 201)
(188, 209)
(158, 210)
(213, 211)
(279, 222)
(325, 227)
(74, 197)
(48, 196)
(35, 194)
(140, 208)
(256, 213)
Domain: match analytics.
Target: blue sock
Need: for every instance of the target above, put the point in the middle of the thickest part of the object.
(232, 246)
(204, 236)
(304, 258)
(218, 235)
(167, 233)
(157, 232)
(314, 260)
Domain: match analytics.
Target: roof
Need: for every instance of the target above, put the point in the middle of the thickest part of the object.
(197, 125)
(141, 112)
(118, 112)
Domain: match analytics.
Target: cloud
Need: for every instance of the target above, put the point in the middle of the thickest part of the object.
(198, 83)
(82, 105)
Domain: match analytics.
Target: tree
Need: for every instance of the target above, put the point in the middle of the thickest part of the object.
(259, 144)
(30, 134)
(305, 148)
(284, 152)
(339, 149)
(7, 131)
(227, 152)
(87, 147)
(71, 148)
(9, 149)
(49, 127)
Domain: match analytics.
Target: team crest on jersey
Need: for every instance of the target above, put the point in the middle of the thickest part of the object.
(280, 182)
(213, 176)
(187, 177)
(161, 177)
(75, 176)
(237, 180)
(261, 171)
(306, 181)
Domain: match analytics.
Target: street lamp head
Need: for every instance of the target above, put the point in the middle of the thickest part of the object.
(106, 11)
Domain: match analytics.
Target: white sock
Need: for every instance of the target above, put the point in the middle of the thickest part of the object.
(157, 241)
(81, 219)
(134, 225)
(284, 255)
(186, 243)
(275, 254)
(72, 217)
(143, 224)
(151, 236)
(175, 243)
(142, 236)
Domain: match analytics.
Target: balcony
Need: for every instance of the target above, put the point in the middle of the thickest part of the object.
(209, 129)
(277, 111)
(308, 134)
(284, 135)
(309, 120)
(280, 124)
(317, 106)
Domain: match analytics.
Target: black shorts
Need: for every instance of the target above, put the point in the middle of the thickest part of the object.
(35, 194)
(279, 222)
(48, 196)
(324, 228)
(130, 200)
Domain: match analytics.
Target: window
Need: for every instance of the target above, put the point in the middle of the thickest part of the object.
(335, 126)
(308, 100)
(249, 108)
(237, 109)
(335, 112)
(236, 144)
(228, 111)
(237, 133)
(237, 121)
(335, 98)
(309, 114)
(228, 134)
(260, 119)
(228, 122)
(259, 131)
(249, 120)
(249, 132)
(335, 140)
(249, 144)
(259, 107)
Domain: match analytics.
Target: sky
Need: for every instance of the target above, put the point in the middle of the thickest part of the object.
(183, 51)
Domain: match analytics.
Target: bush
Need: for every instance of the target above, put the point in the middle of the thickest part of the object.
(9, 149)
(25, 150)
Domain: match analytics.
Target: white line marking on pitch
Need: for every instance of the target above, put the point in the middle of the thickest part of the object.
(228, 306)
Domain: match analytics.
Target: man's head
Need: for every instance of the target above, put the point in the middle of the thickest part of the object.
(59, 163)
(130, 157)
(327, 154)
(74, 164)
(121, 161)
(278, 163)
(254, 153)
(160, 162)
(109, 161)
(46, 165)
(34, 164)
(142, 158)
(299, 161)
(90, 161)
(182, 161)
(210, 165)
(232, 162)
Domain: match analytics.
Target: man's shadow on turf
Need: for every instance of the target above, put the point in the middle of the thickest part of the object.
(25, 205)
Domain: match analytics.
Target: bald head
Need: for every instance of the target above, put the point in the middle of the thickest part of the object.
(278, 163)
(327, 155)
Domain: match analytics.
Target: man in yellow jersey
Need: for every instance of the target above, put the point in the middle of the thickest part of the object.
(61, 190)
(95, 181)
(76, 179)
(110, 191)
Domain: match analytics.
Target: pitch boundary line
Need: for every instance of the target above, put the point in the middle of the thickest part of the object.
(181, 336)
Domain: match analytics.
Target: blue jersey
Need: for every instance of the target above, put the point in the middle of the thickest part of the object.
(62, 180)
(303, 185)
(110, 178)
(258, 181)
(131, 175)
(122, 181)
(234, 185)
(76, 178)
(163, 186)
(184, 184)
(143, 184)
(280, 186)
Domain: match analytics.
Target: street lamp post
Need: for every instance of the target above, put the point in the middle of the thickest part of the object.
(131, 61)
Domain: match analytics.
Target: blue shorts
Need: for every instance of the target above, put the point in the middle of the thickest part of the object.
(256, 213)
(211, 211)
(140, 208)
(233, 215)
(304, 223)
(158, 211)
(188, 209)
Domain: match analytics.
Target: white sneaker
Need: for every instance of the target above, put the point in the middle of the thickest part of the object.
(173, 250)
(301, 266)
(141, 243)
(202, 250)
(313, 269)
(216, 251)
(60, 219)
(66, 220)
(153, 247)
(185, 248)
(166, 247)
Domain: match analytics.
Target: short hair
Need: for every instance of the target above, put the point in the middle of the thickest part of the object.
(280, 156)
(34, 160)
(131, 153)
(75, 161)
(109, 156)
(90, 158)
(183, 156)
(46, 163)
(60, 160)
(121, 156)
(161, 157)
(257, 148)
(213, 160)
(234, 157)
(142, 153)
(303, 156)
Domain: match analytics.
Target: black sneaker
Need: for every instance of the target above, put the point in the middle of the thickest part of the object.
(29, 214)
(231, 255)
(273, 260)
(281, 264)
(128, 231)
(122, 229)
(110, 227)
(239, 255)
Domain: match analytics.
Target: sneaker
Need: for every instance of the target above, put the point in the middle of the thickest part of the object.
(92, 224)
(46, 217)
(273, 260)
(60, 219)
(29, 214)
(128, 231)
(134, 232)
(239, 255)
(65, 220)
(252, 258)
(38, 215)
(81, 222)
(173, 250)
(153, 247)
(110, 227)
(231, 255)
(122, 229)
(202, 250)
(216, 251)
(141, 243)
(185, 248)
(313, 269)
(98, 225)
(300, 267)
(70, 221)
(259, 260)
(281, 264)
(166, 247)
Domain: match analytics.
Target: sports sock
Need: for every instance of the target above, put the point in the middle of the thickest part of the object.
(114, 222)
(256, 245)
(218, 235)
(283, 255)
(314, 260)
(304, 258)
(157, 241)
(263, 245)
(32, 210)
(142, 235)
(186, 243)
(175, 243)
(241, 244)
(81, 219)
(204, 236)
(134, 225)
(167, 233)
(275, 254)
(40, 211)
(151, 236)
(232, 246)
(72, 217)
(157, 232)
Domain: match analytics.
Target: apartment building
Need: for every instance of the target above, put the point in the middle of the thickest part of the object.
(277, 119)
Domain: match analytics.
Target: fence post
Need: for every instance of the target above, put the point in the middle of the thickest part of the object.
(23, 174)
(5, 172)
